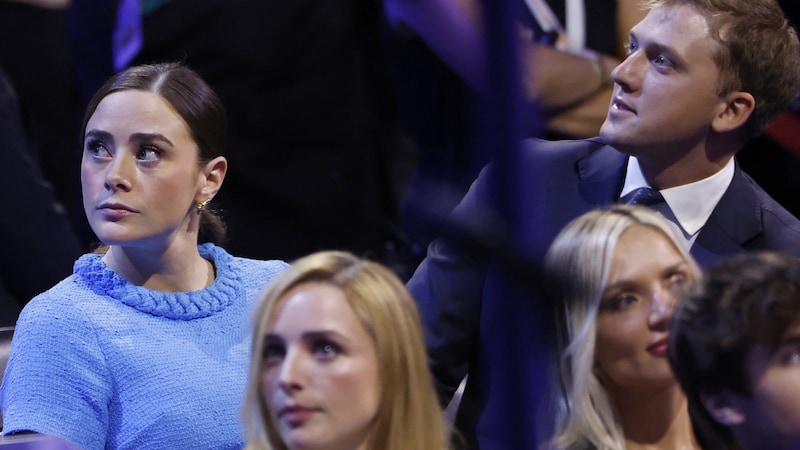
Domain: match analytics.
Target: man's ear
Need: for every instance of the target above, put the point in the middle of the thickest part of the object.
(734, 112)
(722, 407)
(212, 176)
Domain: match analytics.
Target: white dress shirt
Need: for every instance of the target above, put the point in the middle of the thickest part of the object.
(688, 206)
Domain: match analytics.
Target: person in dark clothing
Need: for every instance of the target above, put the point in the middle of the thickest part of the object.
(686, 99)
(39, 245)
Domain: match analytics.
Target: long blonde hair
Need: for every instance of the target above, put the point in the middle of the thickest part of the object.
(409, 416)
(578, 264)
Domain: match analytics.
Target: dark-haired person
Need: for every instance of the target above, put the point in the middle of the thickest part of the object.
(735, 348)
(143, 345)
(39, 245)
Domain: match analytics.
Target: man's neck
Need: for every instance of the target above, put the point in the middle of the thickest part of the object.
(678, 173)
(665, 168)
(672, 176)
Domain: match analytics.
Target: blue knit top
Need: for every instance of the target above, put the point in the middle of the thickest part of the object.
(105, 364)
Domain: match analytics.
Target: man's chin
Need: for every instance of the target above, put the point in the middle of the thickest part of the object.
(607, 134)
(618, 142)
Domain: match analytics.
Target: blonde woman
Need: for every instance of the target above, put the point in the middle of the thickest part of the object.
(339, 362)
(615, 276)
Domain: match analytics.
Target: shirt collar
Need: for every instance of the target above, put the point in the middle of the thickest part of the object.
(693, 203)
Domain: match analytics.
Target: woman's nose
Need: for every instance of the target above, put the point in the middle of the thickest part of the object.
(292, 372)
(662, 306)
(118, 174)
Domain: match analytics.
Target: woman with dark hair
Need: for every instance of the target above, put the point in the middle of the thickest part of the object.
(142, 346)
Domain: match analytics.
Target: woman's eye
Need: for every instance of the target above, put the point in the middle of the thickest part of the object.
(325, 349)
(97, 149)
(624, 302)
(619, 302)
(677, 282)
(148, 154)
(273, 353)
(678, 278)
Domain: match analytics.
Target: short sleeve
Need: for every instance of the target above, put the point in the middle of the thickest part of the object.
(56, 381)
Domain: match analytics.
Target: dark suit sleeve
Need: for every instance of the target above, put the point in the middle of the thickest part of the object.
(448, 288)
(38, 244)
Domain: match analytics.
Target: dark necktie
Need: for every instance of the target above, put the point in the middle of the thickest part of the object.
(642, 196)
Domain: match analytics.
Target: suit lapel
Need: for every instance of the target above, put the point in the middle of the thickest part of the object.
(599, 179)
(600, 176)
(735, 220)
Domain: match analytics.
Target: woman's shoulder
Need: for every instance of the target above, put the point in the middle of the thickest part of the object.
(69, 305)
(272, 265)
(247, 267)
(69, 292)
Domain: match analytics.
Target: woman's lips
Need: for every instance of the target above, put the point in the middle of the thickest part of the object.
(115, 210)
(658, 348)
(295, 415)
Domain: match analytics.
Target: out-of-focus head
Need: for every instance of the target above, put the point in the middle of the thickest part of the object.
(188, 97)
(735, 348)
(614, 275)
(338, 354)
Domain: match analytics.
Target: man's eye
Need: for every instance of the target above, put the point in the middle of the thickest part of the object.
(661, 61)
(630, 47)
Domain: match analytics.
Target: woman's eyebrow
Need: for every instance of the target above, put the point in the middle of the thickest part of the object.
(149, 137)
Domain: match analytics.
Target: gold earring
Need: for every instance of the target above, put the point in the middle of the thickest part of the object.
(201, 206)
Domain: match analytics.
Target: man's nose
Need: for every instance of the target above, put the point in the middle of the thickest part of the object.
(628, 73)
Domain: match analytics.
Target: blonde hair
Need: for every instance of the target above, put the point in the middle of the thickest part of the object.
(578, 264)
(409, 416)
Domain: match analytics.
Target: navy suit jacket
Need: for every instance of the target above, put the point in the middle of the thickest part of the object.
(480, 320)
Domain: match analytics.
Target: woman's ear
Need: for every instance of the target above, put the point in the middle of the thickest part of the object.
(737, 109)
(212, 176)
(722, 407)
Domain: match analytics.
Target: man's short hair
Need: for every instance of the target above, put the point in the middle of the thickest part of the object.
(758, 53)
(749, 299)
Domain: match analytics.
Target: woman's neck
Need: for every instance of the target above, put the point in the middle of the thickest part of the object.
(175, 270)
(655, 419)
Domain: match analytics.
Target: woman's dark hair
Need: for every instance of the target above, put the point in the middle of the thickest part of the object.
(194, 101)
